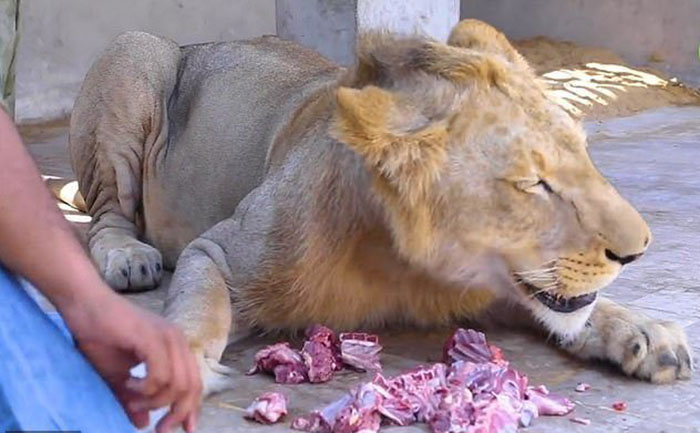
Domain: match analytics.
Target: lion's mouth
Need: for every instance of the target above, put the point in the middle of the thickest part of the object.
(558, 303)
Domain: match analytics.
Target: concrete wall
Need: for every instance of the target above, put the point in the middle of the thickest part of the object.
(638, 30)
(60, 39)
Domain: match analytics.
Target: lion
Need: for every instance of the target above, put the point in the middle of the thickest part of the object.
(422, 186)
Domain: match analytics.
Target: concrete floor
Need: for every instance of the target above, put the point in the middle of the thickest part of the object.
(653, 159)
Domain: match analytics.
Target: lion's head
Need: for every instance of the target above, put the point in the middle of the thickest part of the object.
(486, 180)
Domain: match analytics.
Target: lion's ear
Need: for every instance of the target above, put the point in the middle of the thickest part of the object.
(396, 143)
(479, 36)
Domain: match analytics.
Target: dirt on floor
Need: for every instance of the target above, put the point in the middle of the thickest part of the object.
(595, 83)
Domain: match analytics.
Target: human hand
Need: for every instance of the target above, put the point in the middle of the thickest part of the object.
(115, 335)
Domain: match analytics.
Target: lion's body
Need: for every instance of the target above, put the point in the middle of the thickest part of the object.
(296, 192)
(206, 163)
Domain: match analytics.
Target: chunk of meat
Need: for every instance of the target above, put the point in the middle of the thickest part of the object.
(323, 420)
(326, 337)
(476, 393)
(413, 396)
(548, 403)
(620, 406)
(470, 345)
(362, 414)
(281, 361)
(269, 408)
(321, 355)
(319, 361)
(360, 351)
(454, 413)
(582, 387)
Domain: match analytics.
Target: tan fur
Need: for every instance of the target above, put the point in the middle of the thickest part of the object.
(405, 190)
(479, 36)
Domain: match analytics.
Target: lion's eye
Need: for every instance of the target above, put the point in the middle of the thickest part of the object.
(538, 186)
(545, 185)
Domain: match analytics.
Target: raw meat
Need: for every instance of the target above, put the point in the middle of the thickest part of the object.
(360, 351)
(620, 406)
(471, 345)
(268, 408)
(283, 362)
(548, 404)
(413, 396)
(321, 355)
(362, 414)
(323, 420)
(476, 393)
(327, 337)
(582, 387)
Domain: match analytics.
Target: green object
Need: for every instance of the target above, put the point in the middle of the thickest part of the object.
(9, 13)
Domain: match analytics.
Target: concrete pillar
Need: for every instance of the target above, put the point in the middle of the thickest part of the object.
(331, 27)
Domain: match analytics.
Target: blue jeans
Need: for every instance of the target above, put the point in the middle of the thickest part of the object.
(45, 382)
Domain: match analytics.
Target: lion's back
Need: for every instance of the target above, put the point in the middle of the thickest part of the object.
(230, 101)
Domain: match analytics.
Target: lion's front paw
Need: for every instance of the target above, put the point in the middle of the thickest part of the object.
(646, 348)
(215, 376)
(654, 350)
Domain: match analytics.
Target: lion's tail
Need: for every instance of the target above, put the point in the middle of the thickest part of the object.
(67, 192)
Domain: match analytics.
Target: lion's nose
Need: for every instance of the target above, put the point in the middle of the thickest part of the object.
(622, 260)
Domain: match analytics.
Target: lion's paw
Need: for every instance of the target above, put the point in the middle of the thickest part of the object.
(643, 347)
(215, 376)
(133, 266)
(655, 350)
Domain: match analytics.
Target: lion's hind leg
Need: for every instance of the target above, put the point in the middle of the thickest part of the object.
(118, 127)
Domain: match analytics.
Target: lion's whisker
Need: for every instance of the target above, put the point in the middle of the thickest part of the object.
(540, 270)
(536, 277)
(544, 278)
(547, 288)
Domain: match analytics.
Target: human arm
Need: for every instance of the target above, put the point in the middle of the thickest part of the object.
(37, 243)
